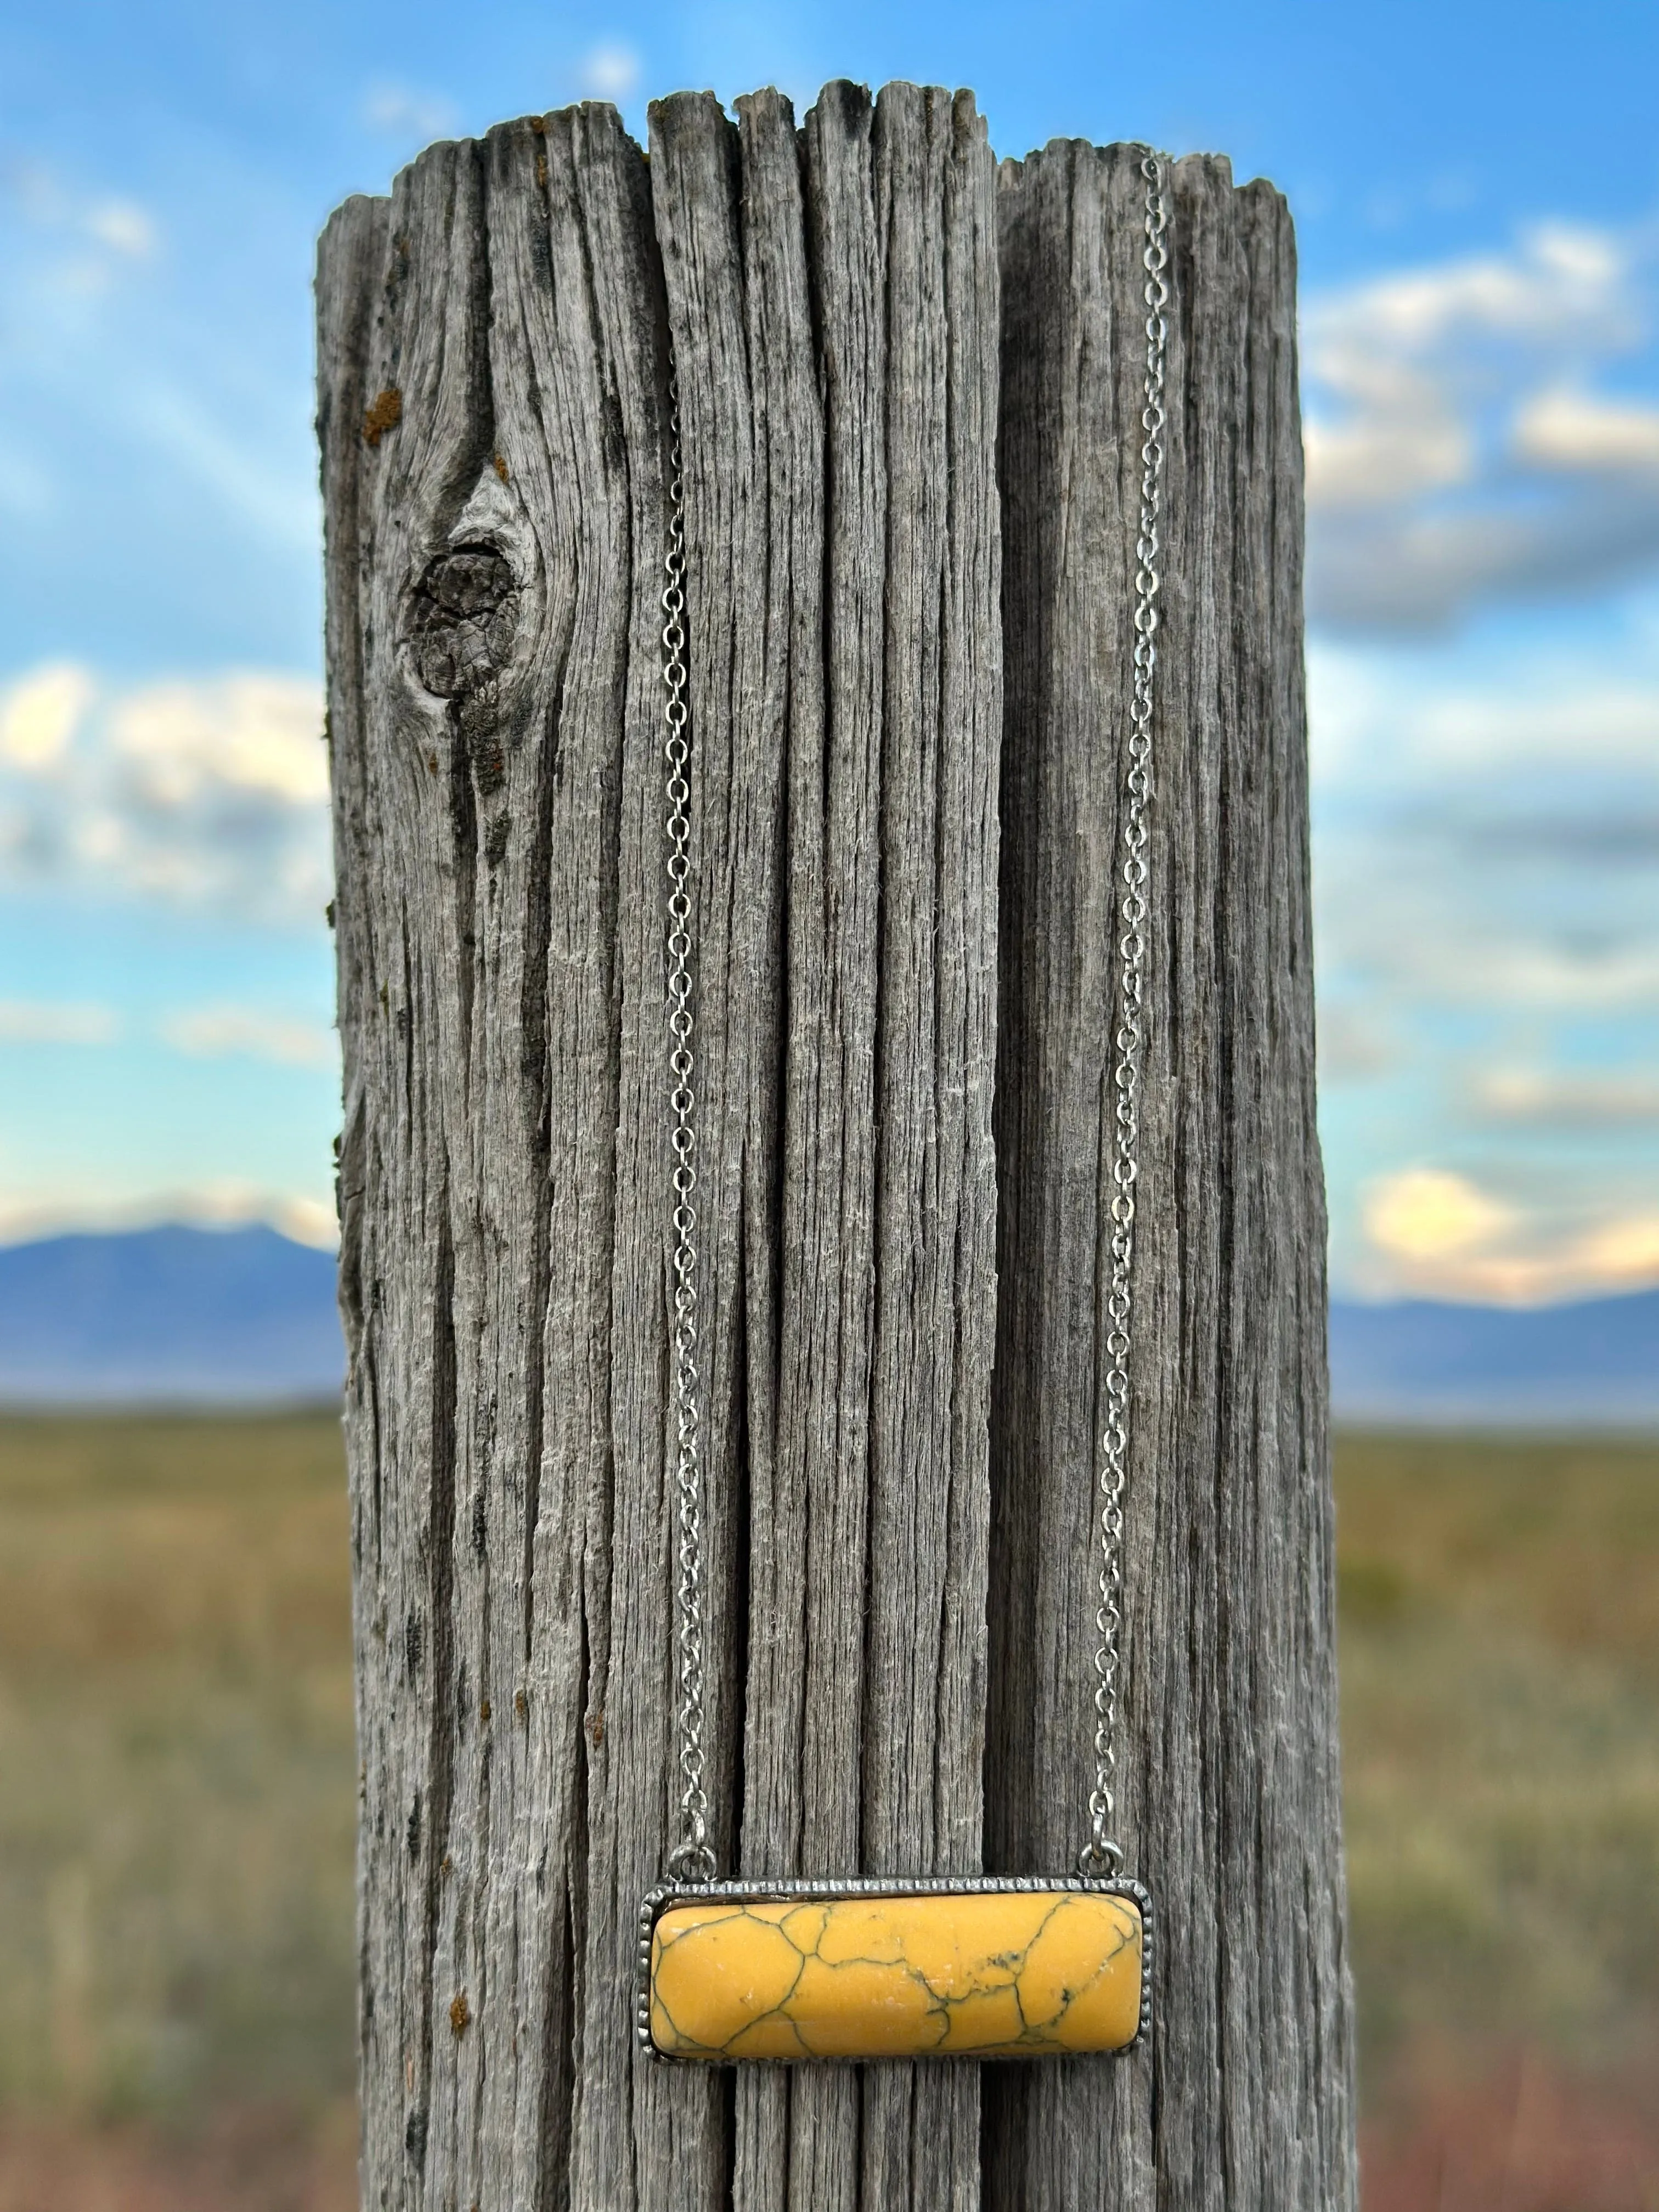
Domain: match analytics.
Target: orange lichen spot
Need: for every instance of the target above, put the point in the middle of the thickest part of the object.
(386, 414)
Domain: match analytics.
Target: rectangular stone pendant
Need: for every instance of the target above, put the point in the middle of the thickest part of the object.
(993, 1967)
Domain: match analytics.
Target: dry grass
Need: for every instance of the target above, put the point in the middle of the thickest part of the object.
(1500, 1669)
(176, 1747)
(234, 2159)
(176, 1801)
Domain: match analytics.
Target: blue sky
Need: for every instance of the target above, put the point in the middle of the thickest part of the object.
(1477, 193)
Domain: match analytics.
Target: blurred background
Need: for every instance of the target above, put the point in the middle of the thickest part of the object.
(1477, 194)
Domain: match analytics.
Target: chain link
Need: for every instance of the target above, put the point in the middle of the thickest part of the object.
(692, 1858)
(1102, 1854)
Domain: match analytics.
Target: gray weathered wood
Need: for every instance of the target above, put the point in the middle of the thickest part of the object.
(496, 535)
(844, 579)
(494, 366)
(1229, 1791)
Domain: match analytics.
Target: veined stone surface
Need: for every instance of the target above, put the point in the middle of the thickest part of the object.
(1015, 1976)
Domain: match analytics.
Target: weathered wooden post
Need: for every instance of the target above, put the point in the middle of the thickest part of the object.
(886, 1542)
(1231, 1801)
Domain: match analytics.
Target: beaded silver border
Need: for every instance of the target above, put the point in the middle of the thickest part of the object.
(985, 1885)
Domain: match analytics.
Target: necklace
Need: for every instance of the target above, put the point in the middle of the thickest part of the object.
(987, 1966)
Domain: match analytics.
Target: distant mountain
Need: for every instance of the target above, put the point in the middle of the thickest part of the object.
(1592, 1363)
(243, 1316)
(168, 1315)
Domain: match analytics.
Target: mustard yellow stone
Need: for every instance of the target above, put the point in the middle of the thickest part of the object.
(992, 1975)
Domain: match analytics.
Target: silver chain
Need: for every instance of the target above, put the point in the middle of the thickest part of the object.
(692, 1858)
(1102, 1854)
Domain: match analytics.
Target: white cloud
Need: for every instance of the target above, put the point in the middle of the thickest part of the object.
(1458, 450)
(1545, 977)
(402, 111)
(88, 236)
(1486, 881)
(33, 1021)
(1426, 1214)
(1360, 464)
(209, 790)
(26, 1215)
(1411, 923)
(124, 226)
(40, 714)
(1622, 1254)
(254, 732)
(1432, 1233)
(1568, 429)
(1377, 718)
(218, 1032)
(1568, 1098)
(307, 1221)
(1562, 281)
(1584, 723)
(1487, 835)
(610, 72)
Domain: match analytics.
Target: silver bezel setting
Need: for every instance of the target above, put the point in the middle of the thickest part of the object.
(782, 1891)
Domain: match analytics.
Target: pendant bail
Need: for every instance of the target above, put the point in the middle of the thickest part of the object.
(692, 1863)
(1100, 1859)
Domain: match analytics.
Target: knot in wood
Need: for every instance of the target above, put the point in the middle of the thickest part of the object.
(464, 614)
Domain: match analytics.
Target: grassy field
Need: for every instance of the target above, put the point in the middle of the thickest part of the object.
(176, 1804)
(176, 1799)
(1500, 1679)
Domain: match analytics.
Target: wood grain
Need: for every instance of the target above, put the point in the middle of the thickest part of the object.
(1229, 1786)
(894, 1561)
(495, 551)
